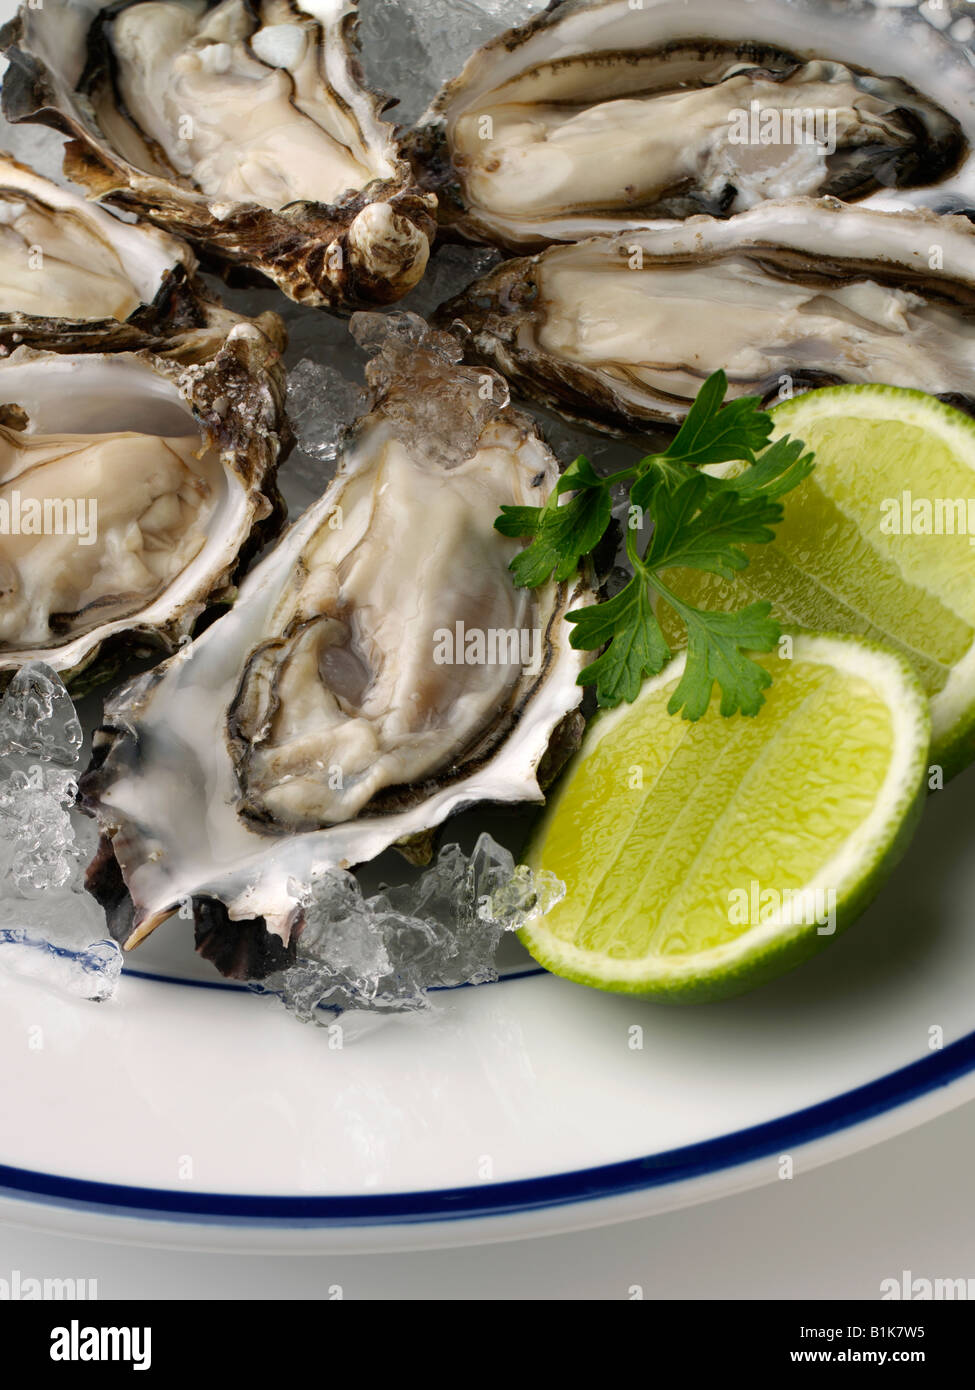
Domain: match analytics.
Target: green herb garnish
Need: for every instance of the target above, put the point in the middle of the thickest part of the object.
(699, 522)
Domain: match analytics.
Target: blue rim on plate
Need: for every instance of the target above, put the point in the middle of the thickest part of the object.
(505, 1198)
(160, 979)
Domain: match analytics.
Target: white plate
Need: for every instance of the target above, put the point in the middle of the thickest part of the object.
(195, 1113)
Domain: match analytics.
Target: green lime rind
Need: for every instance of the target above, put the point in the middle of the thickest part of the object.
(856, 872)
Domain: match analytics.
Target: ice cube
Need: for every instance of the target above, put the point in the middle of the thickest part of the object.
(322, 403)
(89, 973)
(37, 717)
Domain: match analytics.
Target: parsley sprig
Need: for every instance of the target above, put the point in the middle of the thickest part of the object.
(699, 522)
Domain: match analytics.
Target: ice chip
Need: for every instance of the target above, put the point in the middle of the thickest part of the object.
(36, 828)
(440, 409)
(89, 973)
(65, 916)
(385, 953)
(37, 717)
(411, 47)
(523, 894)
(40, 868)
(101, 965)
(322, 403)
(340, 931)
(397, 331)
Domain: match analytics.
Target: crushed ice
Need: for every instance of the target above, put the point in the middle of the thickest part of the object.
(411, 47)
(386, 952)
(322, 403)
(326, 380)
(440, 408)
(383, 953)
(50, 928)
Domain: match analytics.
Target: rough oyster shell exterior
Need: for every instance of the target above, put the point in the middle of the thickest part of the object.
(176, 315)
(816, 243)
(368, 249)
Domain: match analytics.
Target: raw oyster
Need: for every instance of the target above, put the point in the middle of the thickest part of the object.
(622, 330)
(601, 114)
(75, 278)
(132, 490)
(241, 126)
(378, 672)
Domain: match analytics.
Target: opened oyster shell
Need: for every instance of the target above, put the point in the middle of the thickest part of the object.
(601, 114)
(241, 126)
(75, 278)
(132, 490)
(378, 672)
(620, 331)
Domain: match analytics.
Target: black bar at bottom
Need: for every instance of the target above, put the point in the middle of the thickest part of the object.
(166, 1339)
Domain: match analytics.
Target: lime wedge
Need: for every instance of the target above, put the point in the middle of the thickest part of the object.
(701, 859)
(879, 541)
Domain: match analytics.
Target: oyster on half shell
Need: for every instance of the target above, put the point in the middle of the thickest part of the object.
(378, 672)
(76, 278)
(244, 127)
(132, 492)
(601, 114)
(620, 331)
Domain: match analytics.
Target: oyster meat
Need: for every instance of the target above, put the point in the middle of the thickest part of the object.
(242, 126)
(74, 278)
(378, 672)
(132, 491)
(620, 331)
(601, 114)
